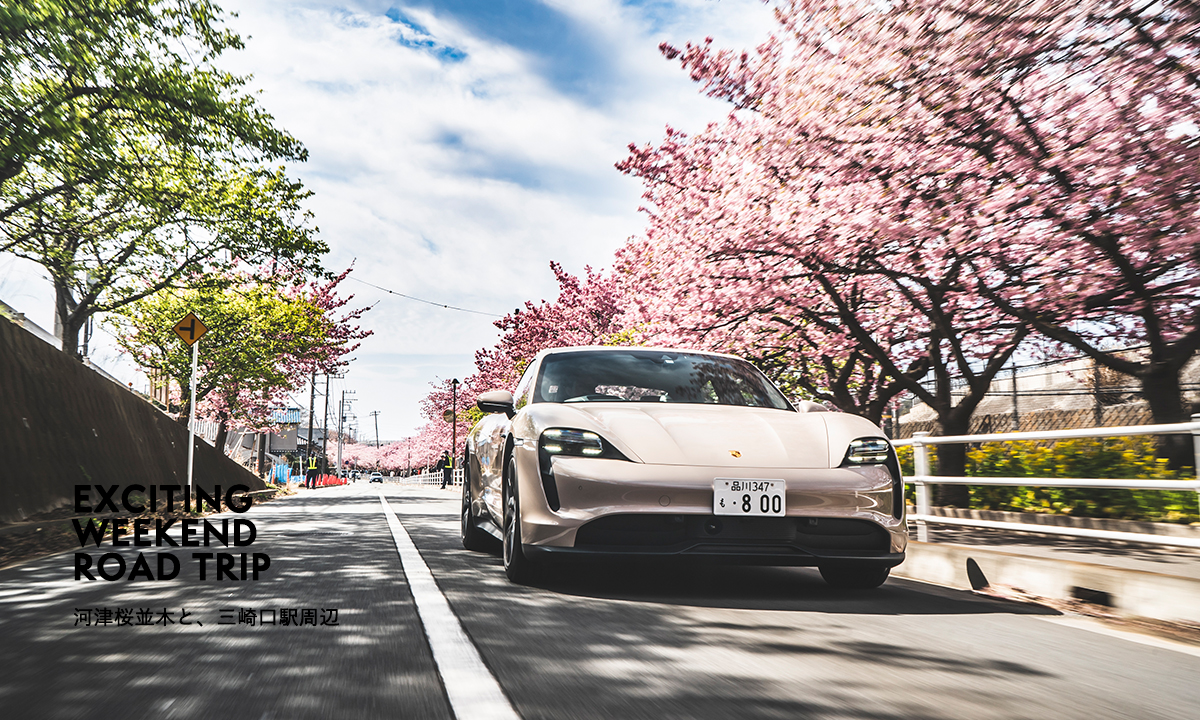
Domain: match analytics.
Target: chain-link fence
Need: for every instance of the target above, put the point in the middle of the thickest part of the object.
(1042, 421)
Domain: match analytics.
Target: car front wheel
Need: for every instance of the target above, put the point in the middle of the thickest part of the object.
(472, 537)
(517, 566)
(855, 577)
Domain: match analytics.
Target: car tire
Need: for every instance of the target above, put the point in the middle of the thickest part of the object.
(472, 537)
(855, 577)
(517, 566)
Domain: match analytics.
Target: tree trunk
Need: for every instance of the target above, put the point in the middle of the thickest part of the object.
(185, 409)
(222, 431)
(874, 410)
(68, 320)
(1160, 384)
(952, 461)
(260, 442)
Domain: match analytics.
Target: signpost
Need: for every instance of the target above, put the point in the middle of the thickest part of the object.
(190, 330)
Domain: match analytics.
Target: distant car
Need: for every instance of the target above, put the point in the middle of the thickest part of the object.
(376, 477)
(639, 452)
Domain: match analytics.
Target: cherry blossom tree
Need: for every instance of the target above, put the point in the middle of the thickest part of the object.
(807, 217)
(423, 449)
(1086, 118)
(415, 453)
(932, 180)
(1072, 128)
(685, 297)
(588, 311)
(264, 340)
(405, 455)
(362, 456)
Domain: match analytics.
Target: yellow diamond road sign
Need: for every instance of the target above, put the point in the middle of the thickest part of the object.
(190, 329)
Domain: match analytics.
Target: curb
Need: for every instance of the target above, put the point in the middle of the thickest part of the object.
(1129, 592)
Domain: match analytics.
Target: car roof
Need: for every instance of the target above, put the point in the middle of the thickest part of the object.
(648, 348)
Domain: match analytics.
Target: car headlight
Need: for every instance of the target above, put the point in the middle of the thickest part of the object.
(575, 443)
(877, 451)
(557, 442)
(868, 451)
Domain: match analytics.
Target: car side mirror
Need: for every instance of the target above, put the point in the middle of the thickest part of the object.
(807, 406)
(496, 401)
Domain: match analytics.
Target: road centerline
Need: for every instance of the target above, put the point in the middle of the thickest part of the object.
(471, 688)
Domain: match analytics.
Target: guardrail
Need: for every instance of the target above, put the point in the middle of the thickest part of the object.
(433, 477)
(921, 479)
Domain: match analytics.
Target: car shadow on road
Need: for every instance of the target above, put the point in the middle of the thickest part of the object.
(672, 582)
(767, 588)
(656, 640)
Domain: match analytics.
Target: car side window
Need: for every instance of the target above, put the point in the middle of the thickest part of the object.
(521, 396)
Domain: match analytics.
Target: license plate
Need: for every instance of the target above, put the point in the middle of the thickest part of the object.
(749, 497)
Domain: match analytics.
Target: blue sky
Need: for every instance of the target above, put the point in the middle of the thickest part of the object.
(456, 148)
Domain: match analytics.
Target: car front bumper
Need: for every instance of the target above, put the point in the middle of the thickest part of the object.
(669, 512)
(724, 539)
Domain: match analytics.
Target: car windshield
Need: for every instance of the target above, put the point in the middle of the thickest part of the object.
(654, 376)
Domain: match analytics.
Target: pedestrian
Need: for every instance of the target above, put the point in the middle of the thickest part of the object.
(310, 478)
(446, 465)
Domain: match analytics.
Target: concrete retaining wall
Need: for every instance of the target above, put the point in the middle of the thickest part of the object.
(61, 424)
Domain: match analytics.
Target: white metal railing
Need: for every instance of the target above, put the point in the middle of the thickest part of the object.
(432, 477)
(921, 479)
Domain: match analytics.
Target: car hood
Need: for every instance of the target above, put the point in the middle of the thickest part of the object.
(712, 435)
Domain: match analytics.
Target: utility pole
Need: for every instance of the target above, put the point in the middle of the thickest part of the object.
(312, 401)
(325, 430)
(341, 418)
(375, 414)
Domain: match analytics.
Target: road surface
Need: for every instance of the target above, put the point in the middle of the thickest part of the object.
(595, 642)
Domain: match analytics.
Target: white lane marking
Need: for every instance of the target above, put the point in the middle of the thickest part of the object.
(470, 686)
(1097, 627)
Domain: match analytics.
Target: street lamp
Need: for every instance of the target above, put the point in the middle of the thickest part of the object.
(454, 432)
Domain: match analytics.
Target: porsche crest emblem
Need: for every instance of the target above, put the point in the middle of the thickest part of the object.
(735, 453)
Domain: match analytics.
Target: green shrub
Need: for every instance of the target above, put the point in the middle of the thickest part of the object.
(1130, 458)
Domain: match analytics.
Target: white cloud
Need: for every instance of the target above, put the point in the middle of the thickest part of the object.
(459, 181)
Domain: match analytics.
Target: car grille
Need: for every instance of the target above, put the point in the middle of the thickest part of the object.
(666, 530)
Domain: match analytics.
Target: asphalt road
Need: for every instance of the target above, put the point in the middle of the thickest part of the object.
(593, 642)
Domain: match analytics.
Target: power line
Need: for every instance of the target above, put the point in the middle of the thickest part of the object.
(427, 302)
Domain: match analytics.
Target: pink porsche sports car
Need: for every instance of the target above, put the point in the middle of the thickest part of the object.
(644, 452)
